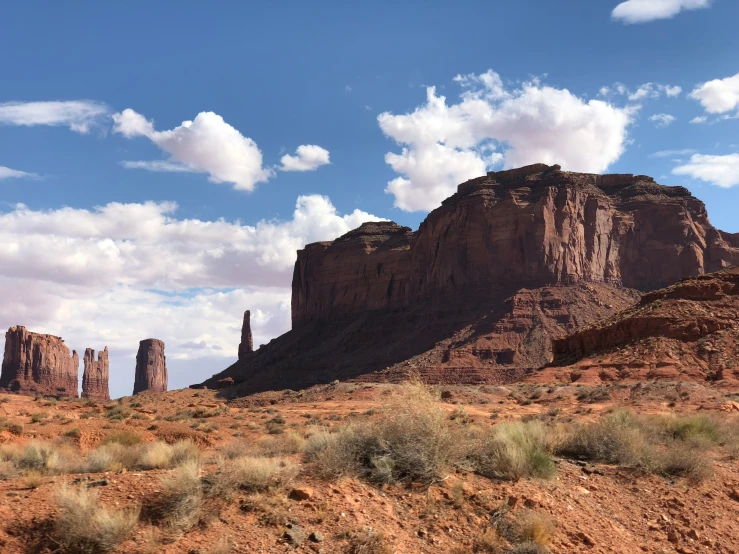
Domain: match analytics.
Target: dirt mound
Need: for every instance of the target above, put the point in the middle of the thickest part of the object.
(688, 331)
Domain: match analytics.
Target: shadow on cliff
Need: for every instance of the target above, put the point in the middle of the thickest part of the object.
(321, 352)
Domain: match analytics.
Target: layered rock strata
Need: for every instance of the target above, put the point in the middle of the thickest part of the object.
(511, 261)
(246, 346)
(151, 367)
(95, 376)
(35, 363)
(688, 331)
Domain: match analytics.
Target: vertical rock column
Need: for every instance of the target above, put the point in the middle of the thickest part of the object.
(34, 363)
(247, 343)
(95, 377)
(151, 367)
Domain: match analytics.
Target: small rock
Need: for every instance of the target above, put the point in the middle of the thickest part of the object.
(512, 501)
(693, 534)
(302, 493)
(316, 536)
(582, 490)
(99, 483)
(585, 539)
(294, 535)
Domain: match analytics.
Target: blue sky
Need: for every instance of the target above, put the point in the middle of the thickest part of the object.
(102, 253)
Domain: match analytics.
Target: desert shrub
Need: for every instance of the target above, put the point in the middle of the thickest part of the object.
(38, 417)
(528, 548)
(684, 460)
(15, 428)
(489, 542)
(153, 455)
(73, 433)
(411, 441)
(48, 458)
(117, 412)
(368, 542)
(179, 505)
(532, 527)
(514, 450)
(85, 526)
(691, 428)
(7, 470)
(123, 437)
(260, 474)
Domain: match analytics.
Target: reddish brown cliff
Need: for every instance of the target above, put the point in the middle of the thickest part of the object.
(511, 261)
(151, 367)
(688, 331)
(246, 346)
(38, 364)
(95, 376)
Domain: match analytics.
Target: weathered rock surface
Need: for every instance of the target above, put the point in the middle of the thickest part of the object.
(511, 261)
(246, 346)
(38, 364)
(686, 332)
(95, 376)
(151, 367)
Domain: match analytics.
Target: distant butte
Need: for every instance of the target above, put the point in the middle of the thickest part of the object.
(96, 375)
(513, 260)
(151, 367)
(35, 363)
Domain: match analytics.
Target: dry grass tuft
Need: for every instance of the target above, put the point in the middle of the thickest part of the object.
(85, 526)
(368, 542)
(261, 474)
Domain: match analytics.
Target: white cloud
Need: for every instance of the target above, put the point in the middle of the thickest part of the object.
(308, 158)
(662, 119)
(673, 153)
(673, 91)
(443, 145)
(157, 166)
(722, 171)
(699, 119)
(642, 11)
(78, 115)
(122, 272)
(207, 144)
(7, 173)
(719, 95)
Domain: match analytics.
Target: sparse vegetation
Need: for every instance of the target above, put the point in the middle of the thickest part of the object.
(85, 526)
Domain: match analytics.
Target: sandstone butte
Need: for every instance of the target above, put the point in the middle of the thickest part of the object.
(151, 367)
(38, 364)
(246, 346)
(96, 375)
(686, 332)
(512, 261)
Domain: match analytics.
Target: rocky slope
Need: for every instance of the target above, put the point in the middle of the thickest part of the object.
(511, 261)
(686, 332)
(34, 363)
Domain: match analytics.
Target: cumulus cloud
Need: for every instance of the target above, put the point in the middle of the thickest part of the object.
(718, 96)
(119, 273)
(207, 145)
(699, 119)
(643, 11)
(308, 157)
(722, 171)
(662, 119)
(7, 173)
(78, 115)
(445, 144)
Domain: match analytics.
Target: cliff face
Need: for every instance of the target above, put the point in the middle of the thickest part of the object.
(511, 261)
(96, 375)
(688, 331)
(151, 367)
(532, 226)
(38, 364)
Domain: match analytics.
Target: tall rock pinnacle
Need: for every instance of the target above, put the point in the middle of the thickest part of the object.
(151, 367)
(246, 346)
(38, 364)
(95, 376)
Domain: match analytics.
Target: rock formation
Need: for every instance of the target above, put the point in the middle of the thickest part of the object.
(151, 367)
(38, 364)
(511, 261)
(688, 331)
(95, 376)
(246, 346)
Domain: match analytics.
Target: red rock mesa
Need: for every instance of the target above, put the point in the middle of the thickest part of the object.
(151, 367)
(95, 376)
